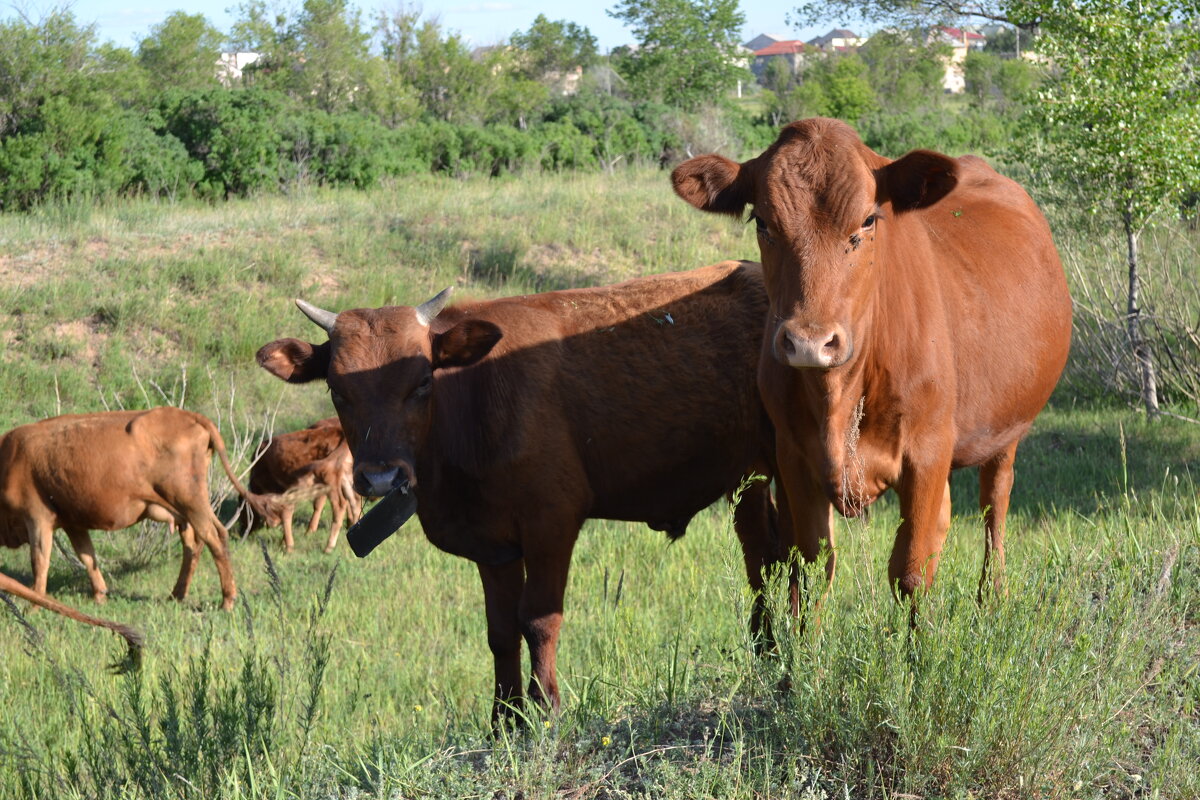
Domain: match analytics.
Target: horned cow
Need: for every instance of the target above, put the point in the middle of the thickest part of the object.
(515, 420)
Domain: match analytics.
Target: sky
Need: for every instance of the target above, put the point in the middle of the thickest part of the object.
(481, 22)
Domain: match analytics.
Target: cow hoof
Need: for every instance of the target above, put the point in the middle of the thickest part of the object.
(227, 603)
(100, 597)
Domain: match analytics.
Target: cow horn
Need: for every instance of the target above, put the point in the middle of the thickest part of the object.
(326, 319)
(431, 308)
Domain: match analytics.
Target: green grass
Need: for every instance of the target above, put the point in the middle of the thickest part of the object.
(374, 680)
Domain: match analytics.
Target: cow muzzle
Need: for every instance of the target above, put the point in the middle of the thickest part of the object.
(812, 347)
(376, 480)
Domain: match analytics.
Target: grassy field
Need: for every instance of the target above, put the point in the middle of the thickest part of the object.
(339, 677)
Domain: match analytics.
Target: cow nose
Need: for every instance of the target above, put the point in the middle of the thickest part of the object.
(802, 348)
(376, 480)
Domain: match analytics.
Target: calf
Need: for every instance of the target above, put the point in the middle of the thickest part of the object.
(317, 458)
(513, 421)
(107, 471)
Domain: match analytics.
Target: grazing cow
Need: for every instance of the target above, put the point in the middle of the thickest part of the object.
(133, 639)
(316, 457)
(107, 471)
(919, 321)
(515, 420)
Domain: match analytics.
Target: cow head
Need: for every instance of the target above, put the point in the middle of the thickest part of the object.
(381, 366)
(823, 203)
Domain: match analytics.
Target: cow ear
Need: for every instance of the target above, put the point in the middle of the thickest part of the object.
(294, 361)
(919, 179)
(714, 183)
(465, 343)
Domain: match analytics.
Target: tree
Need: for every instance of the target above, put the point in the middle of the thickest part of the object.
(331, 49)
(904, 70)
(447, 82)
(907, 14)
(688, 52)
(1120, 114)
(554, 47)
(182, 51)
(999, 83)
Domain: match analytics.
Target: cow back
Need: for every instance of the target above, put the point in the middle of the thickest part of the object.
(636, 401)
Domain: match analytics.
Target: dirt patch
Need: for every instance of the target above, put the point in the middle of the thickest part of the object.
(31, 268)
(584, 268)
(84, 334)
(322, 283)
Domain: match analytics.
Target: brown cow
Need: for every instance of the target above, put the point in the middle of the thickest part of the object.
(315, 457)
(919, 320)
(515, 420)
(133, 639)
(107, 471)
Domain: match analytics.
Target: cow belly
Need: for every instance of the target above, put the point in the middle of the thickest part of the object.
(99, 514)
(672, 494)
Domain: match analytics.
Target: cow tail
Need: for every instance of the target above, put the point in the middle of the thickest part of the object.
(133, 638)
(261, 505)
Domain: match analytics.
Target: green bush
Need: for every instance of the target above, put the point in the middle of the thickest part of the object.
(237, 135)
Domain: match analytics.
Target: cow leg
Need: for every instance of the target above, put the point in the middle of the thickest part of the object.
(756, 525)
(314, 521)
(541, 615)
(502, 587)
(81, 540)
(925, 510)
(289, 542)
(806, 520)
(335, 526)
(209, 531)
(191, 557)
(995, 484)
(41, 542)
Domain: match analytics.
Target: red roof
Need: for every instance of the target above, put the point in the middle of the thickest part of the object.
(781, 48)
(957, 33)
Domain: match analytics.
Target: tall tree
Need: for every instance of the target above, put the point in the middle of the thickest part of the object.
(181, 52)
(904, 70)
(447, 82)
(688, 52)
(1121, 114)
(554, 47)
(332, 55)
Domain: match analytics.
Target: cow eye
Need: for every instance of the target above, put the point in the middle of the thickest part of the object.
(423, 387)
(760, 226)
(335, 397)
(869, 221)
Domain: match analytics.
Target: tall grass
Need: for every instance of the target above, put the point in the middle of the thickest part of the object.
(338, 677)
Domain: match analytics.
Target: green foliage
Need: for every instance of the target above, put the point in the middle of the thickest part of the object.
(1120, 110)
(327, 55)
(1004, 84)
(830, 86)
(181, 52)
(236, 135)
(1006, 42)
(688, 50)
(554, 47)
(904, 71)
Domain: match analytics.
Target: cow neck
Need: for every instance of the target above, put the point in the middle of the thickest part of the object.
(471, 421)
(841, 401)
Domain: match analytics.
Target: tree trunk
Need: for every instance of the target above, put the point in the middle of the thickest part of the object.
(1133, 321)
